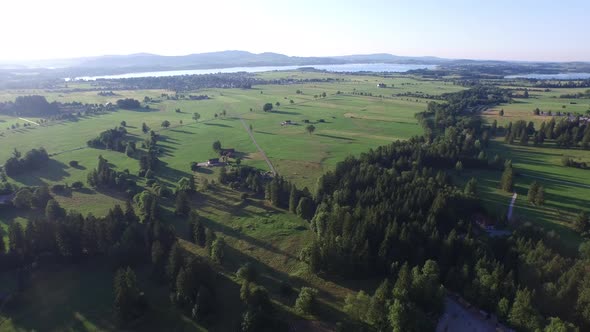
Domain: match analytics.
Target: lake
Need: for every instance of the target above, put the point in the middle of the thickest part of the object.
(354, 67)
(563, 76)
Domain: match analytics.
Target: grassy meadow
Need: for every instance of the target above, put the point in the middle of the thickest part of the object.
(567, 189)
(346, 122)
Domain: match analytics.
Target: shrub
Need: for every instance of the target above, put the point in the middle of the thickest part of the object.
(306, 301)
(73, 163)
(78, 185)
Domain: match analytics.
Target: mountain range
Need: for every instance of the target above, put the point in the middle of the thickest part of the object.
(209, 60)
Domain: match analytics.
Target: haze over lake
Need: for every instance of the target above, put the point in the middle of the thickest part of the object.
(356, 67)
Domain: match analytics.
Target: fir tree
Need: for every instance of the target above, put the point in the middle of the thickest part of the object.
(507, 179)
(532, 194)
(182, 205)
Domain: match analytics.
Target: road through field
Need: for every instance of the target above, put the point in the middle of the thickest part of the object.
(272, 169)
(33, 122)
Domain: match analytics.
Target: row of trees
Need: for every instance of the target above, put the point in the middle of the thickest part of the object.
(566, 133)
(34, 105)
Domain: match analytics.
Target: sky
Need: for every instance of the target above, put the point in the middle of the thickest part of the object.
(529, 30)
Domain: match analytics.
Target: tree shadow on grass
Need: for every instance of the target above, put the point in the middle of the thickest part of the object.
(204, 170)
(336, 137)
(79, 167)
(52, 171)
(216, 124)
(170, 174)
(182, 131)
(263, 132)
(286, 112)
(273, 280)
(141, 110)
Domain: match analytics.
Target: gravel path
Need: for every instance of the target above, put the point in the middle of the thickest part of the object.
(33, 122)
(272, 169)
(511, 207)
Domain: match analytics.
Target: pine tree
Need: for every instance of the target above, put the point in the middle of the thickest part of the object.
(357, 306)
(210, 237)
(582, 223)
(293, 199)
(16, 239)
(305, 208)
(532, 194)
(158, 261)
(403, 284)
(182, 292)
(506, 182)
(377, 313)
(471, 187)
(399, 316)
(175, 261)
(523, 315)
(130, 215)
(586, 138)
(2, 244)
(218, 250)
(182, 205)
(127, 304)
(199, 233)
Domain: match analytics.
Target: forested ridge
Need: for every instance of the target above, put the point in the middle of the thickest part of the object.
(396, 205)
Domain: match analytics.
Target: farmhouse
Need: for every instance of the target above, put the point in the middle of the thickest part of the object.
(227, 152)
(381, 85)
(286, 123)
(213, 162)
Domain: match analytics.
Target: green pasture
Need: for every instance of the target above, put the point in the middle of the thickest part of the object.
(346, 124)
(522, 109)
(567, 189)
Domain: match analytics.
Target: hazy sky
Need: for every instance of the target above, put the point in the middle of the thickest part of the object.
(491, 29)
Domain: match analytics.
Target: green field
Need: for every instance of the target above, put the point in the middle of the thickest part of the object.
(567, 188)
(351, 124)
(522, 109)
(347, 123)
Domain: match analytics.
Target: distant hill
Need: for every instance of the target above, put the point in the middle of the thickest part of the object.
(222, 59)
